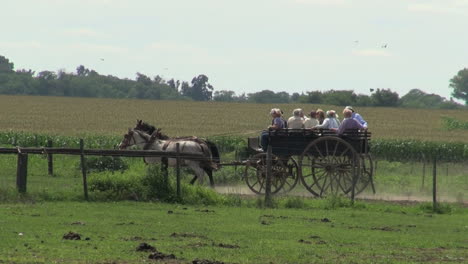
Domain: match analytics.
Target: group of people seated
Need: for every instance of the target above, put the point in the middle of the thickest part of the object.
(317, 119)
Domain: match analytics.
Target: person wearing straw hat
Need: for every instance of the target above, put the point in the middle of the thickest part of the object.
(312, 121)
(296, 121)
(331, 122)
(357, 116)
(349, 123)
(276, 123)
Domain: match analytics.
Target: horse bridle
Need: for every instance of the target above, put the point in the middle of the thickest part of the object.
(128, 138)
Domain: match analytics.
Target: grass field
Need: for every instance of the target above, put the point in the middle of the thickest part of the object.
(316, 231)
(78, 116)
(111, 232)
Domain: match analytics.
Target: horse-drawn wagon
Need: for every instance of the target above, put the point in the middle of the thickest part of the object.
(323, 161)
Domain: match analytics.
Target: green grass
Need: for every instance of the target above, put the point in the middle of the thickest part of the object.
(379, 233)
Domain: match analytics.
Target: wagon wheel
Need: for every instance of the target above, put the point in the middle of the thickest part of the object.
(366, 174)
(292, 175)
(327, 165)
(256, 171)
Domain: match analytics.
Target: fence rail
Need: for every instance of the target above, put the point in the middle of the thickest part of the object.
(22, 164)
(103, 152)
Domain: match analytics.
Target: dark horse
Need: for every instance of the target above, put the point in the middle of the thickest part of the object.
(152, 130)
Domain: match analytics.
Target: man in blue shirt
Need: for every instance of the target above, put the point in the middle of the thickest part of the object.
(357, 117)
(276, 123)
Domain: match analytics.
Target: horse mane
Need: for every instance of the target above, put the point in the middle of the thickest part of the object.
(149, 129)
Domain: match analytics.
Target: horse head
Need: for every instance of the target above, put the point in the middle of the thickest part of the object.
(133, 137)
(145, 127)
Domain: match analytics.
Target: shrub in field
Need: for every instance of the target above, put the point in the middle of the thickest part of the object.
(157, 186)
(99, 164)
(451, 123)
(441, 208)
(336, 201)
(118, 186)
(294, 202)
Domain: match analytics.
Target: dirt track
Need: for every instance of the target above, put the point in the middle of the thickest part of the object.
(244, 190)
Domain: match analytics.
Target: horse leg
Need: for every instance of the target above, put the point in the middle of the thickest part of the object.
(199, 173)
(209, 172)
(194, 179)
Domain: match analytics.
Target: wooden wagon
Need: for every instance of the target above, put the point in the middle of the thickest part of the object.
(325, 163)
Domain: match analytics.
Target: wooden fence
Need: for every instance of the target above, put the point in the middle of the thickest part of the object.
(22, 164)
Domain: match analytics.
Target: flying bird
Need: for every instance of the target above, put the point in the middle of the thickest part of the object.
(102, 59)
(384, 46)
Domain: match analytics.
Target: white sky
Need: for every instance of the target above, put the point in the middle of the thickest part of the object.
(246, 45)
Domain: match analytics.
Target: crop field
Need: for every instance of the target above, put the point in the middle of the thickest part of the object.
(84, 116)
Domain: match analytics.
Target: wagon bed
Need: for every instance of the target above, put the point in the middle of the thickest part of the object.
(326, 162)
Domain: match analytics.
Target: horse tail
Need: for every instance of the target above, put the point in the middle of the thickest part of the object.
(214, 151)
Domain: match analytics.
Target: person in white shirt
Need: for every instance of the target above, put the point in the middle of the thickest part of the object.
(296, 121)
(331, 122)
(312, 121)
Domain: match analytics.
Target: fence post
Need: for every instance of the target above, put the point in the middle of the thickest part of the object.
(178, 170)
(268, 201)
(424, 173)
(434, 184)
(83, 169)
(22, 172)
(50, 159)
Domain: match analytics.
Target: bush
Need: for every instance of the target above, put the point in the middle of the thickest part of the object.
(336, 201)
(157, 186)
(294, 202)
(100, 164)
(115, 186)
(441, 208)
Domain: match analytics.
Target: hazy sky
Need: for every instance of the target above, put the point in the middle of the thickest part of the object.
(246, 46)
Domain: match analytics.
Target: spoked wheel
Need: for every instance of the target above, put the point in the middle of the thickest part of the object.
(256, 171)
(366, 171)
(328, 165)
(292, 175)
(367, 174)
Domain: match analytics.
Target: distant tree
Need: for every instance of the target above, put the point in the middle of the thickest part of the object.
(418, 99)
(173, 84)
(384, 97)
(224, 96)
(341, 97)
(314, 97)
(459, 83)
(47, 82)
(5, 65)
(363, 100)
(199, 90)
(82, 71)
(295, 97)
(143, 79)
(268, 96)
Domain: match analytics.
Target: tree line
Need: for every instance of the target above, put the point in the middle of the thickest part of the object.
(88, 83)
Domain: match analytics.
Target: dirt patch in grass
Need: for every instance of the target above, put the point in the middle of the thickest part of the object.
(145, 247)
(226, 245)
(205, 210)
(206, 261)
(137, 238)
(161, 256)
(72, 236)
(187, 235)
(386, 228)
